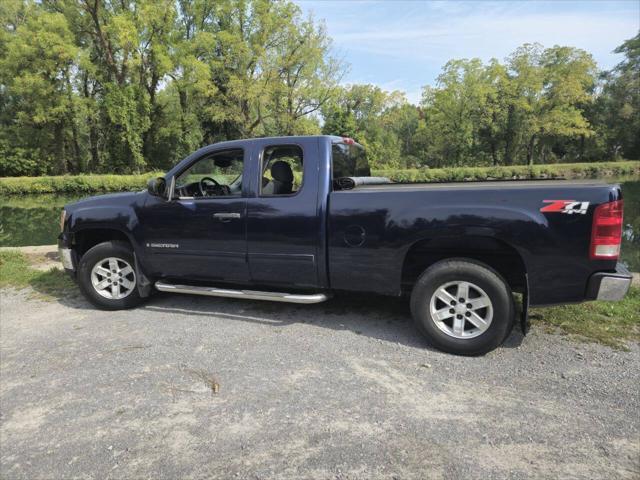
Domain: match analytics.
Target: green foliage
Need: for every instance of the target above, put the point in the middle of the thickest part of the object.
(127, 87)
(36, 114)
(516, 172)
(71, 184)
(80, 184)
(539, 106)
(360, 112)
(340, 122)
(616, 112)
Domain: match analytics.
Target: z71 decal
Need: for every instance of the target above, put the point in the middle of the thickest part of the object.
(565, 206)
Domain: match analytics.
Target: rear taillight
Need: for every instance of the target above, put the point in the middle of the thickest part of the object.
(606, 233)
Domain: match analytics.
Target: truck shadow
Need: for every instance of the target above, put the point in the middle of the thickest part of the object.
(382, 318)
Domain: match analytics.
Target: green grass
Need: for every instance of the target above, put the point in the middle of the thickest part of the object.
(15, 271)
(518, 172)
(608, 323)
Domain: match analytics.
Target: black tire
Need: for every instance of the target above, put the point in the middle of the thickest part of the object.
(98, 254)
(448, 272)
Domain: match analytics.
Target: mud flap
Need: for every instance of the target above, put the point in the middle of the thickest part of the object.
(144, 284)
(525, 325)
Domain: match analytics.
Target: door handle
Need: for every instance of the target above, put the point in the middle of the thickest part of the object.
(226, 215)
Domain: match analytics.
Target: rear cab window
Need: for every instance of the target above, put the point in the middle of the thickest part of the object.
(349, 160)
(282, 170)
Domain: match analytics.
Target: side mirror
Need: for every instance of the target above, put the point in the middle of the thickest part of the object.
(157, 187)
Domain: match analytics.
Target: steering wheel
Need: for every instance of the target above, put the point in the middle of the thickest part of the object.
(203, 185)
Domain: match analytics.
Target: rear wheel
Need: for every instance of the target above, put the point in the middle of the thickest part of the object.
(462, 307)
(107, 276)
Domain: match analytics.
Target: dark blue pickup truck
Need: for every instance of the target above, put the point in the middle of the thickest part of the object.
(293, 219)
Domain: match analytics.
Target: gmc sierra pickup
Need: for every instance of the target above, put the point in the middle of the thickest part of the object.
(293, 219)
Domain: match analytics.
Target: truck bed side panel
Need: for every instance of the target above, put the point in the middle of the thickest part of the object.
(372, 229)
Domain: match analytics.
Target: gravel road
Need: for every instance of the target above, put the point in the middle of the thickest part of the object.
(344, 389)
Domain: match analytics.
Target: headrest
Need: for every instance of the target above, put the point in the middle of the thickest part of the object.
(281, 171)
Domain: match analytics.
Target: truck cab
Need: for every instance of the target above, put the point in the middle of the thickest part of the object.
(248, 212)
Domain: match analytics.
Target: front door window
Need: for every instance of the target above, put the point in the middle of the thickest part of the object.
(216, 175)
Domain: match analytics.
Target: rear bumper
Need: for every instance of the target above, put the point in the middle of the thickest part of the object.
(611, 286)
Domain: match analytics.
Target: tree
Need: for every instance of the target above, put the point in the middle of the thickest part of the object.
(307, 74)
(617, 110)
(39, 127)
(550, 88)
(479, 114)
(128, 86)
(339, 122)
(454, 109)
(358, 111)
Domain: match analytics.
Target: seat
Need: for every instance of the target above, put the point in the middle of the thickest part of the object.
(282, 183)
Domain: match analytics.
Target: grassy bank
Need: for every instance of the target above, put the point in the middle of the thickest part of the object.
(561, 170)
(609, 323)
(16, 271)
(65, 185)
(74, 184)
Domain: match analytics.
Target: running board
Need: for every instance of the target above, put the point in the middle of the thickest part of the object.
(248, 294)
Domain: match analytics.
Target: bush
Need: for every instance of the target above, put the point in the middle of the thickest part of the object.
(74, 184)
(88, 184)
(517, 172)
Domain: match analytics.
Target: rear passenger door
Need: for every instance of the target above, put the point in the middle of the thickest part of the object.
(283, 230)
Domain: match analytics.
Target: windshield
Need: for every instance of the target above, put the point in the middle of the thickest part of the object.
(349, 161)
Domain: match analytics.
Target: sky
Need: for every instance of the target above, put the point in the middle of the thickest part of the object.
(402, 45)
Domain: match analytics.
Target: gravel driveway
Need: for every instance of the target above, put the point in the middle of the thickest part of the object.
(344, 389)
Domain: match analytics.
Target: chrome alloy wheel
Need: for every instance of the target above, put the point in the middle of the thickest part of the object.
(461, 309)
(113, 278)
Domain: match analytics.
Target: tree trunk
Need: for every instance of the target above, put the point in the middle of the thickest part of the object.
(59, 141)
(494, 153)
(508, 141)
(94, 162)
(148, 137)
(93, 147)
(74, 131)
(530, 148)
(182, 96)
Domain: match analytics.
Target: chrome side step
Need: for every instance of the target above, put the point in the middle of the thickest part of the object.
(248, 294)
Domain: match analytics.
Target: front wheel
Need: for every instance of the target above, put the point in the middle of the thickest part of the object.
(107, 276)
(462, 307)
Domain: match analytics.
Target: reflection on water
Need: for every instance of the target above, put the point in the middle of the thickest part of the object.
(631, 231)
(34, 220)
(31, 219)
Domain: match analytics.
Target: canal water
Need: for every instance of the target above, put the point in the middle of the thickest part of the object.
(34, 220)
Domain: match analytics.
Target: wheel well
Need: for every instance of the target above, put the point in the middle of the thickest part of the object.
(494, 253)
(86, 239)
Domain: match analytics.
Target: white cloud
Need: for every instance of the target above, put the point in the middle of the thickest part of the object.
(404, 44)
(485, 37)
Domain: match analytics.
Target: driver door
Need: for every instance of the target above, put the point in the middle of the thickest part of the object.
(200, 234)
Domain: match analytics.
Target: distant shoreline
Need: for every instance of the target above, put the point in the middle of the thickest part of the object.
(88, 184)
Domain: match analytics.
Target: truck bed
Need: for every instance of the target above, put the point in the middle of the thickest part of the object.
(372, 227)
